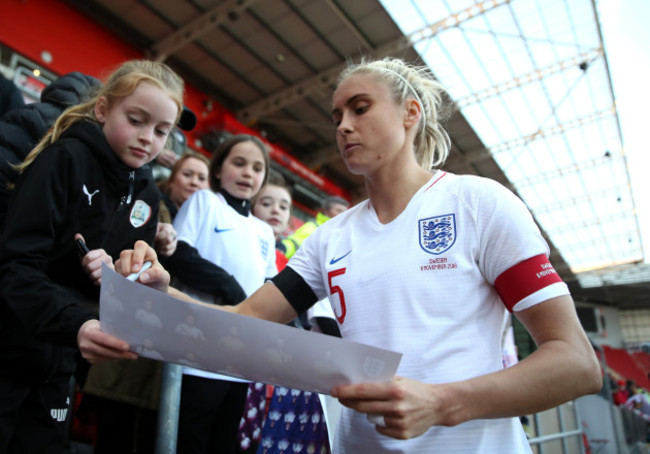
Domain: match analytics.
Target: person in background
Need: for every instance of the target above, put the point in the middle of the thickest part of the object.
(23, 128)
(332, 206)
(273, 206)
(10, 96)
(620, 394)
(639, 401)
(85, 180)
(188, 175)
(218, 224)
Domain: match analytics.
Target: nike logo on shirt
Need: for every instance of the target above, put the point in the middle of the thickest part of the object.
(218, 230)
(333, 261)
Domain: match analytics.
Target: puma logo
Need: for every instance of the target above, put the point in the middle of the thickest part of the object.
(90, 196)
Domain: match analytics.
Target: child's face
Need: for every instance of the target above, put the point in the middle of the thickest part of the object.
(136, 126)
(242, 172)
(273, 205)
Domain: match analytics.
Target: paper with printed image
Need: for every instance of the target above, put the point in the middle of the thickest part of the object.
(160, 327)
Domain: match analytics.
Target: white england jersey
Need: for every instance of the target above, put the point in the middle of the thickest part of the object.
(424, 285)
(244, 246)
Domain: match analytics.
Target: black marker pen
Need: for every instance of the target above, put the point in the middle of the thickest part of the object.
(81, 247)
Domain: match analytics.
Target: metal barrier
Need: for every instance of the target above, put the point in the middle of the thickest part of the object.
(569, 437)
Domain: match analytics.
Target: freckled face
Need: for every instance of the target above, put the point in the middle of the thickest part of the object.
(242, 172)
(136, 126)
(370, 128)
(273, 205)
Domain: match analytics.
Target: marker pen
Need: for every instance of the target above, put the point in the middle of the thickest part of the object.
(134, 276)
(81, 247)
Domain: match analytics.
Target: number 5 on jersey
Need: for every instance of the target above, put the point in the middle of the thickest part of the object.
(336, 289)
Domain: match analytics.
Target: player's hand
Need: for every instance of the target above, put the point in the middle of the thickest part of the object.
(92, 262)
(165, 241)
(96, 346)
(131, 261)
(402, 408)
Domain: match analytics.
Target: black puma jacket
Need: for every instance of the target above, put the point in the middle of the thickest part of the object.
(76, 185)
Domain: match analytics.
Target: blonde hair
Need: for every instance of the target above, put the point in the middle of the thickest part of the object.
(406, 81)
(121, 83)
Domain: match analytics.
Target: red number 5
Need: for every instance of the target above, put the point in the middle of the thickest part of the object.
(336, 289)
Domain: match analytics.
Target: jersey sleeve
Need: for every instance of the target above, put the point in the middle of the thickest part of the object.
(514, 254)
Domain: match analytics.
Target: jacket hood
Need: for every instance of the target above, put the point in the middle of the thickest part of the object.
(120, 177)
(70, 89)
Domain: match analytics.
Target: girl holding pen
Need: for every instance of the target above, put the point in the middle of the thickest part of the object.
(88, 176)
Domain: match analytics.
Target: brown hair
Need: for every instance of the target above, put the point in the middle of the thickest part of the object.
(222, 152)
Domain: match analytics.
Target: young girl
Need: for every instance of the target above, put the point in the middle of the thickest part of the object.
(218, 223)
(125, 394)
(273, 206)
(87, 176)
(428, 266)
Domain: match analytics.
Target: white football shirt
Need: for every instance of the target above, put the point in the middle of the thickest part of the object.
(423, 285)
(244, 246)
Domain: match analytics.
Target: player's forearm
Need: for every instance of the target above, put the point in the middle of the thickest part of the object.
(174, 292)
(267, 303)
(554, 374)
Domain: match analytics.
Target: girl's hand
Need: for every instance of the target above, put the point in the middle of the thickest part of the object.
(96, 346)
(166, 158)
(92, 262)
(407, 408)
(131, 261)
(165, 241)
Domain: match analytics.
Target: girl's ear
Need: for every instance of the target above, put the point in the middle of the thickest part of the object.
(101, 109)
(413, 112)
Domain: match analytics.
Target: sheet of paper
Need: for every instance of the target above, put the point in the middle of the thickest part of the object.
(160, 327)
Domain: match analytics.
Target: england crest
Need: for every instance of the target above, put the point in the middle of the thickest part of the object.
(140, 213)
(438, 233)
